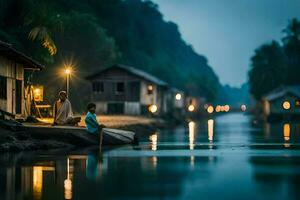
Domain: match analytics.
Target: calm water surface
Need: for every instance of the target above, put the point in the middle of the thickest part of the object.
(228, 157)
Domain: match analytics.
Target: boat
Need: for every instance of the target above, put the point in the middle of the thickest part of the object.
(70, 134)
(78, 135)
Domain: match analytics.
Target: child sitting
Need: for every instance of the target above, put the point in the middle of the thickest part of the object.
(92, 125)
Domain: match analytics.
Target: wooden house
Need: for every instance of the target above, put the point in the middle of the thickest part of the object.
(177, 103)
(283, 101)
(12, 66)
(123, 89)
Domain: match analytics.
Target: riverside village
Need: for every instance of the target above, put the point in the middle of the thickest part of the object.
(140, 99)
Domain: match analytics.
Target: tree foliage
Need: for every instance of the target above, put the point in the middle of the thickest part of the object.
(97, 33)
(274, 64)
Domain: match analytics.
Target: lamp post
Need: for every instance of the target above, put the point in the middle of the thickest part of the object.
(68, 73)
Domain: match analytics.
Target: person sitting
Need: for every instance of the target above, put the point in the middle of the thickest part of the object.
(92, 125)
(63, 114)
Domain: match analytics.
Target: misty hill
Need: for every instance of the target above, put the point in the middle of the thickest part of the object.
(93, 34)
(234, 96)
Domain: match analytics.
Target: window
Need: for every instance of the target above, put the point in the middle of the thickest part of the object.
(286, 105)
(3, 88)
(120, 87)
(150, 89)
(98, 87)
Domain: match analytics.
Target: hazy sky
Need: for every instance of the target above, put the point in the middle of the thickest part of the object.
(228, 31)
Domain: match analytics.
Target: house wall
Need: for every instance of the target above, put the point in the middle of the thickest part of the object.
(10, 106)
(178, 103)
(276, 105)
(164, 100)
(110, 79)
(132, 108)
(145, 98)
(129, 108)
(266, 107)
(192, 100)
(135, 98)
(160, 97)
(4, 65)
(101, 107)
(12, 71)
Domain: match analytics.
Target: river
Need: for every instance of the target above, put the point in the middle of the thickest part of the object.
(228, 157)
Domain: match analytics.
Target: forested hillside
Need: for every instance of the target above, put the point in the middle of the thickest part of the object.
(92, 34)
(276, 63)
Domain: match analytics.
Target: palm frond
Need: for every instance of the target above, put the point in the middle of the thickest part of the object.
(42, 34)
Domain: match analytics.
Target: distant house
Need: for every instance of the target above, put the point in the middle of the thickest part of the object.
(177, 100)
(123, 89)
(284, 100)
(12, 66)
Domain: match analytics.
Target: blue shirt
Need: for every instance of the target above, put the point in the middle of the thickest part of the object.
(91, 122)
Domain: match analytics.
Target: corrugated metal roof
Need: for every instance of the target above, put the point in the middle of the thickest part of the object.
(283, 90)
(10, 52)
(140, 73)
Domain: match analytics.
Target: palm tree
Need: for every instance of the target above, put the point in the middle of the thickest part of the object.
(45, 23)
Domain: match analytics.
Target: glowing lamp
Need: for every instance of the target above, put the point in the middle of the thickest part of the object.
(226, 108)
(178, 96)
(150, 87)
(218, 108)
(191, 108)
(286, 105)
(68, 71)
(243, 108)
(153, 108)
(297, 102)
(38, 93)
(210, 109)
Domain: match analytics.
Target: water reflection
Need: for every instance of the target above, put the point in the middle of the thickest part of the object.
(267, 129)
(192, 161)
(68, 181)
(153, 141)
(276, 173)
(154, 161)
(38, 176)
(210, 129)
(192, 130)
(38, 180)
(170, 170)
(286, 134)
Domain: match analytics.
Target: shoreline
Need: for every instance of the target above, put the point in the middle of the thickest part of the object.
(20, 140)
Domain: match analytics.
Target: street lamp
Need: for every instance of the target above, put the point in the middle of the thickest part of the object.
(68, 72)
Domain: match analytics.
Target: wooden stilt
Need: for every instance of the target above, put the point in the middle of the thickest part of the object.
(101, 139)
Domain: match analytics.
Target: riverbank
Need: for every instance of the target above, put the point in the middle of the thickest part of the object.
(21, 140)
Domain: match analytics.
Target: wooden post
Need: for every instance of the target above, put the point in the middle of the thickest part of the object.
(101, 138)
